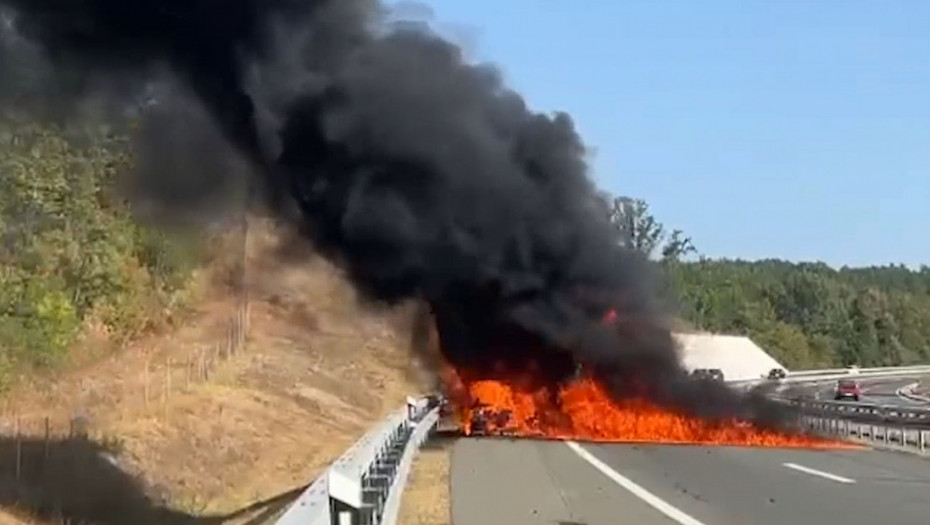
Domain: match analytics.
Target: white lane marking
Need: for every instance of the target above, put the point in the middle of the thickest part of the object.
(654, 501)
(822, 474)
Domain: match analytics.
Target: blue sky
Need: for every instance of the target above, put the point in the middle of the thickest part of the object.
(797, 129)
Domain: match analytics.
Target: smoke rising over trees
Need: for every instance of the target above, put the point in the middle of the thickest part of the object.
(422, 175)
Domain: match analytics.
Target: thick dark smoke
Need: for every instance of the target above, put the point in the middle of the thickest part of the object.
(423, 175)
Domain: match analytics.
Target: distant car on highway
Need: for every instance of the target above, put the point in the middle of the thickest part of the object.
(777, 373)
(852, 370)
(708, 373)
(846, 389)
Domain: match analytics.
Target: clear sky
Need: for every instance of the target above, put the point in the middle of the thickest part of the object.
(797, 129)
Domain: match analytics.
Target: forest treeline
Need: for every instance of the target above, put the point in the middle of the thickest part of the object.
(806, 314)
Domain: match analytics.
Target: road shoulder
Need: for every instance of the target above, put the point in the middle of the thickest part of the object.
(527, 482)
(427, 498)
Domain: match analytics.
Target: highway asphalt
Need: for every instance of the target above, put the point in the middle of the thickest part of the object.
(880, 391)
(526, 482)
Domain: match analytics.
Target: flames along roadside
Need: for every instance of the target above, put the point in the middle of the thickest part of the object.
(583, 410)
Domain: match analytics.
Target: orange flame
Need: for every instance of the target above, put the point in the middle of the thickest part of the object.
(584, 411)
(503, 401)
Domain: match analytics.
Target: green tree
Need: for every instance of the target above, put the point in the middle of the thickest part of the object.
(70, 249)
(677, 246)
(639, 230)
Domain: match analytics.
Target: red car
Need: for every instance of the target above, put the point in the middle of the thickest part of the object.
(847, 388)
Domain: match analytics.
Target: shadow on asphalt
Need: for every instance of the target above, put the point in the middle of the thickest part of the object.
(441, 441)
(78, 481)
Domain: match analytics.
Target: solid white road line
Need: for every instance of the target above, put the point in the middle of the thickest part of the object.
(822, 474)
(654, 501)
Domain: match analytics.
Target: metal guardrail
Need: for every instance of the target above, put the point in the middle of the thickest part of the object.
(830, 375)
(882, 372)
(364, 486)
(846, 371)
(915, 440)
(908, 392)
(893, 414)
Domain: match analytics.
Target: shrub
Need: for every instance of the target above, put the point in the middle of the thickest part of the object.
(69, 247)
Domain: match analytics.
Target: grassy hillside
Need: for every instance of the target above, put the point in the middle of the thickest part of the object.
(317, 371)
(98, 311)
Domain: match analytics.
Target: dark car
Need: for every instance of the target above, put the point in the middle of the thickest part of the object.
(708, 373)
(847, 389)
(777, 373)
(485, 421)
(479, 422)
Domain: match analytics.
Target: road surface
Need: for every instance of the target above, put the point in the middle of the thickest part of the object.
(879, 391)
(525, 482)
(885, 392)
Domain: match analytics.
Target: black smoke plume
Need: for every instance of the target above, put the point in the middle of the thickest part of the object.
(421, 174)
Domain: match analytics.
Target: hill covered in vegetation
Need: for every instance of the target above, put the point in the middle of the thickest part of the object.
(811, 315)
(806, 314)
(71, 254)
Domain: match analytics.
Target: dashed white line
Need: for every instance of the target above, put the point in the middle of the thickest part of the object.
(822, 474)
(651, 499)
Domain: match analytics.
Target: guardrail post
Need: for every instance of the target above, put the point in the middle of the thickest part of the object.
(414, 409)
(345, 499)
(343, 514)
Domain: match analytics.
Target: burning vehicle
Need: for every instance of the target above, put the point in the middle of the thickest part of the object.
(514, 399)
(488, 420)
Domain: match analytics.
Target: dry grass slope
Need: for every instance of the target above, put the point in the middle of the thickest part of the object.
(317, 371)
(428, 498)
